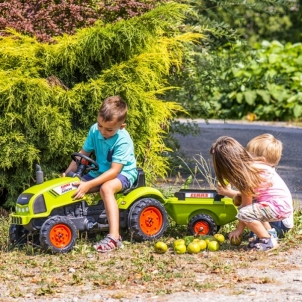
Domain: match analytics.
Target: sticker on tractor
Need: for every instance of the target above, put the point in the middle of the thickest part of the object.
(64, 189)
(200, 195)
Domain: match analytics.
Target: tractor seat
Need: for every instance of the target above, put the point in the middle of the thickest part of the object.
(140, 181)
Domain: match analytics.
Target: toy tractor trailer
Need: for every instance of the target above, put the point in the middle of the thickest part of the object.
(204, 211)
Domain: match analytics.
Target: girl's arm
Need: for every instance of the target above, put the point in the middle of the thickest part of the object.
(239, 230)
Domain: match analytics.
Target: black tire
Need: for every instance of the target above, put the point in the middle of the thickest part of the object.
(147, 219)
(202, 224)
(17, 234)
(58, 234)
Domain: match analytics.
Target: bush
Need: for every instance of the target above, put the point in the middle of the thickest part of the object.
(267, 86)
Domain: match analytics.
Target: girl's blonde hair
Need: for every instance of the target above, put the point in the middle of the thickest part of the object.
(268, 146)
(234, 164)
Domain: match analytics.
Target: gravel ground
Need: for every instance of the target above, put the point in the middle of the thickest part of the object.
(276, 279)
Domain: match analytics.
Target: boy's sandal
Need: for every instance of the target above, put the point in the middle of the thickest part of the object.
(108, 244)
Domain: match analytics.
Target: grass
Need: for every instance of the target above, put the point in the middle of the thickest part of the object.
(29, 272)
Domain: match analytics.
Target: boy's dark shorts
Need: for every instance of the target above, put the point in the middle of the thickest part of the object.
(123, 179)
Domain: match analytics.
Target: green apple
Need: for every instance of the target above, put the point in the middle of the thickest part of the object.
(193, 248)
(180, 248)
(213, 246)
(209, 239)
(178, 241)
(220, 238)
(202, 244)
(160, 247)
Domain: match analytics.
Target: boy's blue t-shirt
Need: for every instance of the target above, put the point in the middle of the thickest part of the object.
(122, 147)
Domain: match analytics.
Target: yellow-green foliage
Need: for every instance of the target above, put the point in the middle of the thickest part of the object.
(50, 94)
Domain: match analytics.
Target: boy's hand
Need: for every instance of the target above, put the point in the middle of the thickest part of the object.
(83, 188)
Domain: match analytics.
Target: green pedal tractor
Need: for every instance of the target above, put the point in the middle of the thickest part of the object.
(47, 214)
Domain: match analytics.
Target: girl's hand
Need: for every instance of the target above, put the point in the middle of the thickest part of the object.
(224, 191)
(235, 234)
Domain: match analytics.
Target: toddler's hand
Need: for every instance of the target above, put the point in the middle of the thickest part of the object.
(237, 200)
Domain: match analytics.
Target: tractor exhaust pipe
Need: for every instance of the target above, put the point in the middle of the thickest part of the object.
(39, 175)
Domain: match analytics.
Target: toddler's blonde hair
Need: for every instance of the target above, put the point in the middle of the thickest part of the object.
(267, 146)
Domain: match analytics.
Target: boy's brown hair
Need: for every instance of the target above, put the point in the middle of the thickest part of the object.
(113, 107)
(267, 146)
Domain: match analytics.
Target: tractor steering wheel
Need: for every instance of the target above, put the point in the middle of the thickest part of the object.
(84, 164)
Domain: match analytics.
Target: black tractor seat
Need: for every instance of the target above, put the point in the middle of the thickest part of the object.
(140, 181)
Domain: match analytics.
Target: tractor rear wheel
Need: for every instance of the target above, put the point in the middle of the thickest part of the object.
(202, 224)
(147, 219)
(58, 234)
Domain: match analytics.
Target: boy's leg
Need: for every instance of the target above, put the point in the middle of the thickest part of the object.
(271, 230)
(113, 240)
(280, 228)
(107, 192)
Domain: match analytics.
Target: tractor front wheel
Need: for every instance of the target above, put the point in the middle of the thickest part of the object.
(147, 220)
(58, 234)
(202, 224)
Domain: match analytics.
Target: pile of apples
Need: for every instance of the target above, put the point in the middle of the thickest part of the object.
(192, 245)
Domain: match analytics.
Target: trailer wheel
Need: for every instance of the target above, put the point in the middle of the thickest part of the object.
(58, 234)
(17, 234)
(147, 219)
(202, 224)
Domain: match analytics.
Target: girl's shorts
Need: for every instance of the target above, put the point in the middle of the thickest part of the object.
(256, 211)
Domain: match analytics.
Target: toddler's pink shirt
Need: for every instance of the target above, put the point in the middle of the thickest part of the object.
(277, 196)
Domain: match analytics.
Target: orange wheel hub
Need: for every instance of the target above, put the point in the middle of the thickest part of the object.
(60, 235)
(151, 221)
(201, 228)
